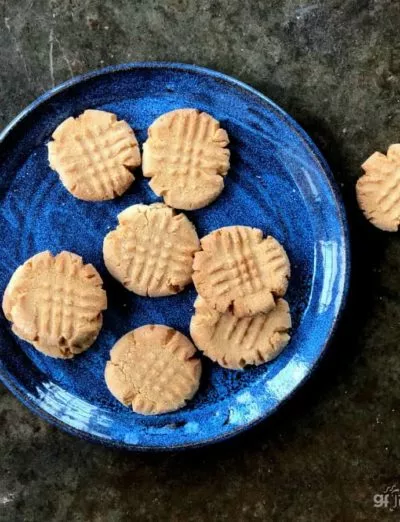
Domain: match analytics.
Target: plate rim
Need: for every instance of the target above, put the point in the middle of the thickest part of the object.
(8, 380)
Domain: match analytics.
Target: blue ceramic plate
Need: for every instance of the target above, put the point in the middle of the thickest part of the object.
(278, 182)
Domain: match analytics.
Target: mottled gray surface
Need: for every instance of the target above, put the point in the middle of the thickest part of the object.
(335, 66)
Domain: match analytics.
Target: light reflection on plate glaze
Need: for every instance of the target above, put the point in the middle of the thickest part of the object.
(277, 182)
(282, 384)
(331, 260)
(69, 408)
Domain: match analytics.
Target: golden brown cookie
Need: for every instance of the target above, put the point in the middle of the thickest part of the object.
(239, 270)
(378, 190)
(151, 251)
(186, 157)
(153, 370)
(236, 342)
(93, 154)
(55, 303)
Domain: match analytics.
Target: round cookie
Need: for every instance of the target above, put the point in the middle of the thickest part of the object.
(186, 157)
(151, 251)
(234, 343)
(378, 190)
(240, 271)
(93, 155)
(153, 370)
(55, 303)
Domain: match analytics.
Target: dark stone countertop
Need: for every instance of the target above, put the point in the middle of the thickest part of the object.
(334, 65)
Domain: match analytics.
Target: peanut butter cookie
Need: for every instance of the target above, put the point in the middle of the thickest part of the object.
(153, 370)
(235, 343)
(55, 303)
(186, 157)
(378, 190)
(94, 154)
(151, 251)
(239, 270)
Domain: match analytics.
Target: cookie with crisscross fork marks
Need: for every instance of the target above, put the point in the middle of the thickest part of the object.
(186, 157)
(239, 270)
(378, 190)
(153, 370)
(151, 251)
(94, 154)
(235, 342)
(55, 303)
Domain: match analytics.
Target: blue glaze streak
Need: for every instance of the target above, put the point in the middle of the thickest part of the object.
(278, 182)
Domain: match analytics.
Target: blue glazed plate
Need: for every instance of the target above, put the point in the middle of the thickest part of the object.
(278, 182)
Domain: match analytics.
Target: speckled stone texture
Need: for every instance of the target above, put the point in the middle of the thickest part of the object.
(335, 66)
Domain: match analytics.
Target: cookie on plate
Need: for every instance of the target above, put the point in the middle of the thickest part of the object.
(55, 303)
(153, 370)
(378, 190)
(240, 271)
(151, 251)
(235, 342)
(186, 157)
(94, 155)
